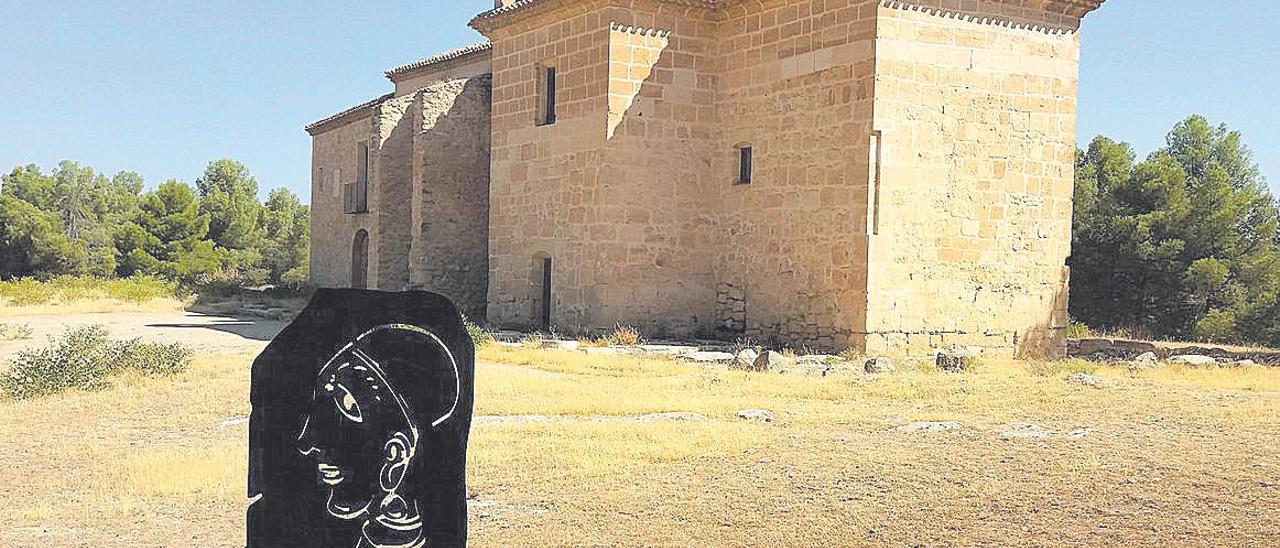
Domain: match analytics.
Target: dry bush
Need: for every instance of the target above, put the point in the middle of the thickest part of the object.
(850, 355)
(533, 340)
(624, 335)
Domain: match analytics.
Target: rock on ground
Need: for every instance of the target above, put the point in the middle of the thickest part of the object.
(1088, 380)
(769, 361)
(561, 345)
(762, 415)
(605, 350)
(878, 365)
(1146, 361)
(746, 360)
(1192, 359)
(708, 357)
(666, 349)
(953, 361)
(677, 416)
(929, 427)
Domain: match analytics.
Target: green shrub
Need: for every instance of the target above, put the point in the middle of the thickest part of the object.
(1218, 326)
(74, 288)
(479, 336)
(15, 331)
(26, 291)
(296, 278)
(85, 358)
(1077, 330)
(140, 289)
(152, 359)
(68, 289)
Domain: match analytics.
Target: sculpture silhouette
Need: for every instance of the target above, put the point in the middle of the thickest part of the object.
(361, 411)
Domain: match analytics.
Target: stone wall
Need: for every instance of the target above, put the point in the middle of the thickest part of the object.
(392, 171)
(450, 208)
(333, 163)
(656, 198)
(544, 179)
(795, 84)
(652, 231)
(472, 66)
(977, 112)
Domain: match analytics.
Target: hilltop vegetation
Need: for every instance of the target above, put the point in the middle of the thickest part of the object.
(76, 221)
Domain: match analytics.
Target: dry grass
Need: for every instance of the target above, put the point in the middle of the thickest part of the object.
(82, 295)
(92, 305)
(214, 472)
(1177, 456)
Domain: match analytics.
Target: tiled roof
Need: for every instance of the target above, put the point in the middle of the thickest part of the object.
(346, 115)
(459, 53)
(489, 18)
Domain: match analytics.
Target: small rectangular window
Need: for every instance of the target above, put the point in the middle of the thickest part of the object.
(362, 163)
(744, 165)
(547, 99)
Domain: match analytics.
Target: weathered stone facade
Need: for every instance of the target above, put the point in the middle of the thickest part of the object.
(427, 218)
(910, 185)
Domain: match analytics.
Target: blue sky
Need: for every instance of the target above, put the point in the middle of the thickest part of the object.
(162, 87)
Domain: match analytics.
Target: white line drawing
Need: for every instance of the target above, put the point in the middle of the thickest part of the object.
(363, 437)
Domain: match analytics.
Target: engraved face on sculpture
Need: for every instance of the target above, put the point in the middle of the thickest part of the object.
(361, 433)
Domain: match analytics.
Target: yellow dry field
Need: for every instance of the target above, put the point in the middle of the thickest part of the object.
(1173, 456)
(93, 305)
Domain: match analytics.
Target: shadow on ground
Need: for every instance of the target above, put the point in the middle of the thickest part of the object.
(258, 329)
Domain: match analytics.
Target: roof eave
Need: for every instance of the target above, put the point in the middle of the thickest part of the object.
(344, 117)
(456, 56)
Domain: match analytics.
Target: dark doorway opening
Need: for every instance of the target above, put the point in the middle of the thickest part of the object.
(360, 260)
(544, 317)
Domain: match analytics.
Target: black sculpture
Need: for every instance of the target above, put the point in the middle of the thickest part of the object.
(358, 435)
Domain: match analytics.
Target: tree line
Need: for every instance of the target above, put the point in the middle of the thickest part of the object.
(77, 221)
(1181, 245)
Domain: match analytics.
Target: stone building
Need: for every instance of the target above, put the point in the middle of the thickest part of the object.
(892, 176)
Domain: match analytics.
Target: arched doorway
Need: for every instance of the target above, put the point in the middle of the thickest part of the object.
(360, 260)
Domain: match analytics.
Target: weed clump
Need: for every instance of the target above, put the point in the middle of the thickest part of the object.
(15, 331)
(479, 337)
(85, 358)
(624, 335)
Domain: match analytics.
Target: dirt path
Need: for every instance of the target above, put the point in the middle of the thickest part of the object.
(206, 333)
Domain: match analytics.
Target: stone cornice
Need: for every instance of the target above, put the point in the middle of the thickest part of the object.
(342, 118)
(453, 57)
(499, 17)
(1067, 12)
